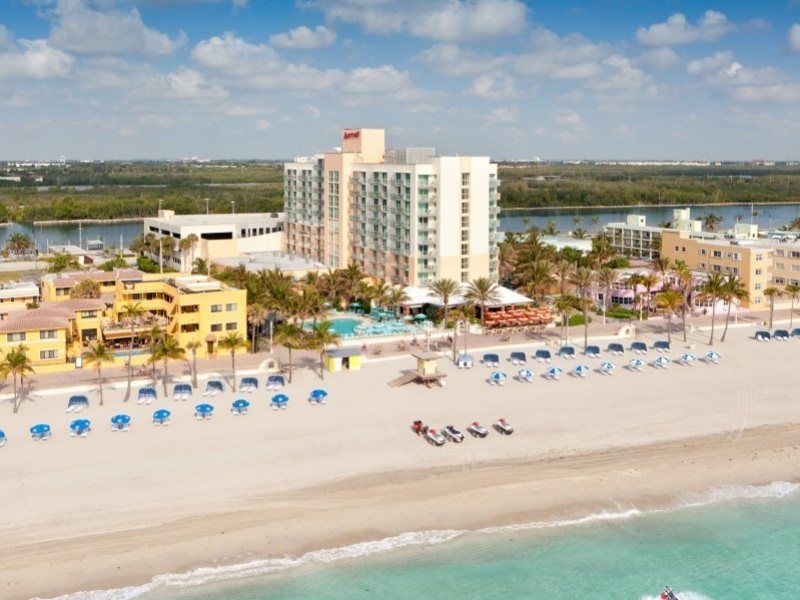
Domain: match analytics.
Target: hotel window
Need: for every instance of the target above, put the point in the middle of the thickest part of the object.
(464, 235)
(216, 327)
(780, 280)
(88, 314)
(230, 326)
(216, 308)
(757, 300)
(465, 193)
(464, 248)
(48, 354)
(757, 286)
(465, 263)
(465, 221)
(759, 271)
(716, 254)
(759, 257)
(16, 337)
(702, 251)
(464, 179)
(190, 328)
(780, 266)
(716, 268)
(48, 334)
(795, 254)
(230, 307)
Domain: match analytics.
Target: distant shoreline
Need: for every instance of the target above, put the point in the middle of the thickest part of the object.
(88, 221)
(634, 206)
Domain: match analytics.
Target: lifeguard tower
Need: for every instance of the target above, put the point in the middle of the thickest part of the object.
(427, 371)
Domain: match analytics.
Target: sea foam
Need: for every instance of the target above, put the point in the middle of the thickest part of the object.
(206, 575)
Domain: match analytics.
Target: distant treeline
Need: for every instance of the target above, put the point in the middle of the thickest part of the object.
(551, 185)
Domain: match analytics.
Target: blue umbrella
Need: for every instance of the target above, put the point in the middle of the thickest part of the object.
(279, 400)
(80, 426)
(581, 370)
(554, 372)
(203, 410)
(2, 438)
(661, 361)
(160, 417)
(40, 431)
(638, 363)
(713, 356)
(525, 375)
(498, 377)
(688, 358)
(607, 368)
(319, 395)
(241, 403)
(420, 317)
(120, 421)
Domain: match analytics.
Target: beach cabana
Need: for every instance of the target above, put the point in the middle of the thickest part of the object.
(161, 417)
(592, 352)
(518, 358)
(465, 361)
(580, 371)
(688, 359)
(341, 359)
(279, 401)
(40, 432)
(146, 395)
(181, 391)
(121, 423)
(796, 332)
(763, 336)
(317, 397)
(553, 373)
(661, 346)
(203, 411)
(497, 378)
(713, 357)
(636, 364)
(213, 387)
(80, 428)
(616, 349)
(248, 385)
(3, 438)
(662, 362)
(566, 352)
(77, 403)
(543, 355)
(491, 360)
(607, 368)
(275, 382)
(525, 375)
(782, 335)
(639, 347)
(240, 406)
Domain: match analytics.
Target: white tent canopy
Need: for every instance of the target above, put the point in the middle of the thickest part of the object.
(417, 296)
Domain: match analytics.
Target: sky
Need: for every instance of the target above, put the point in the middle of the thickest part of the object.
(513, 79)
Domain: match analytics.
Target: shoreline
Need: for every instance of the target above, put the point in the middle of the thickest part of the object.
(84, 222)
(349, 539)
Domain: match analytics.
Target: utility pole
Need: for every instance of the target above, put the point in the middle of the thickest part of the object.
(161, 255)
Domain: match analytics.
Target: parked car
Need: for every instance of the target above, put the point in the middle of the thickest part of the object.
(434, 438)
(452, 434)
(475, 429)
(503, 427)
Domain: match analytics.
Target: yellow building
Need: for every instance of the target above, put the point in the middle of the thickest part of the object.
(750, 260)
(57, 286)
(17, 295)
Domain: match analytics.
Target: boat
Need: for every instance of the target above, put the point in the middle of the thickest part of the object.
(668, 594)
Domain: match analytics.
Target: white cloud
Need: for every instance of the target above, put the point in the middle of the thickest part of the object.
(443, 20)
(569, 57)
(710, 64)
(493, 86)
(659, 58)
(192, 85)
(5, 37)
(568, 118)
(454, 60)
(263, 125)
(304, 38)
(677, 30)
(80, 28)
(794, 38)
(34, 59)
(502, 115)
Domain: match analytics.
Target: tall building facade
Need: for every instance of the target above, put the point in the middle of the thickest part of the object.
(406, 216)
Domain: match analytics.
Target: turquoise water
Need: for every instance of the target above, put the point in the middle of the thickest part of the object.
(135, 352)
(343, 327)
(734, 550)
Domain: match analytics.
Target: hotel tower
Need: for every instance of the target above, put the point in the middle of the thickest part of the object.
(407, 216)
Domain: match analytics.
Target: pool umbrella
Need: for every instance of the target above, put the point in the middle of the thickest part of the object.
(318, 396)
(160, 417)
(554, 372)
(279, 400)
(607, 368)
(80, 427)
(120, 422)
(581, 370)
(40, 431)
(420, 317)
(637, 364)
(498, 377)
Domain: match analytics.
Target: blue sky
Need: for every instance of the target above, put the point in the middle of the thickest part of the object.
(272, 78)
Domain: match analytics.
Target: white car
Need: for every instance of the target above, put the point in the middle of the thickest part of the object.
(475, 429)
(434, 438)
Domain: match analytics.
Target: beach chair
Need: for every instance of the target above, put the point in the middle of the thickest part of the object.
(636, 364)
(465, 361)
(491, 360)
(713, 357)
(543, 355)
(518, 358)
(638, 347)
(781, 335)
(3, 438)
(616, 349)
(146, 395)
(275, 382)
(661, 346)
(796, 332)
(213, 387)
(566, 352)
(248, 385)
(762, 336)
(592, 352)
(181, 391)
(688, 359)
(77, 403)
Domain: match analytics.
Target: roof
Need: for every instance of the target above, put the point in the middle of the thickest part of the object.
(49, 315)
(19, 290)
(246, 220)
(70, 279)
(417, 296)
(426, 355)
(343, 352)
(257, 261)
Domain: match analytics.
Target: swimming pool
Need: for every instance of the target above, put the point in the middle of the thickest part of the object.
(344, 327)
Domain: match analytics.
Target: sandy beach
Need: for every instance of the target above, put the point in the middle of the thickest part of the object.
(117, 509)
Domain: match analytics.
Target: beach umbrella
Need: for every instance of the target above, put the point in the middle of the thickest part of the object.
(661, 361)
(160, 417)
(420, 317)
(525, 375)
(637, 364)
(240, 406)
(40, 431)
(280, 400)
(80, 426)
(120, 421)
(3, 438)
(713, 356)
(319, 394)
(498, 377)
(554, 372)
(203, 410)
(581, 370)
(408, 318)
(607, 368)
(688, 358)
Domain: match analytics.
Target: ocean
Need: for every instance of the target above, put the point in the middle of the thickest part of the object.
(732, 543)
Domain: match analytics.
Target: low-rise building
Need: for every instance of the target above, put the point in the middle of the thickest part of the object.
(17, 295)
(636, 239)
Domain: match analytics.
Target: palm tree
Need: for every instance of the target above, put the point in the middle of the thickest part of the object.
(166, 349)
(321, 337)
(606, 278)
(712, 289)
(443, 289)
(670, 302)
(17, 364)
(564, 305)
(772, 293)
(583, 278)
(634, 280)
(291, 336)
(256, 315)
(579, 233)
(683, 276)
(232, 342)
(98, 354)
(793, 290)
(201, 266)
(711, 221)
(563, 271)
(19, 243)
(188, 243)
(540, 279)
(192, 346)
(130, 312)
(85, 289)
(649, 281)
(395, 298)
(482, 291)
(154, 336)
(735, 291)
